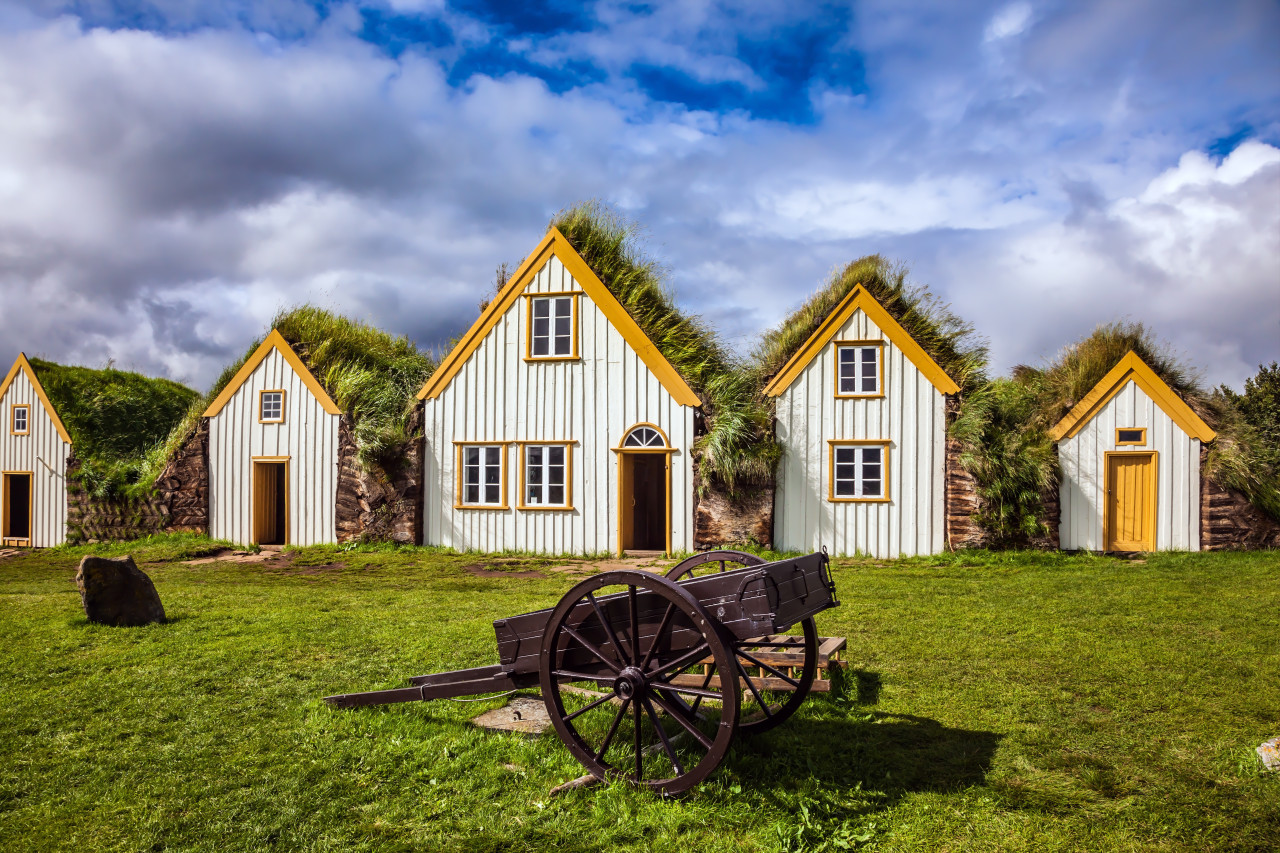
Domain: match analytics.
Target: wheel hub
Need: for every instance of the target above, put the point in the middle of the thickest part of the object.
(629, 683)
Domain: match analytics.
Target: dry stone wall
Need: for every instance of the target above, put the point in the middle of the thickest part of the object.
(91, 519)
(380, 506)
(1228, 522)
(722, 522)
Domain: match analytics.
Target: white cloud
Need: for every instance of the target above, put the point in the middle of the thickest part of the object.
(1010, 21)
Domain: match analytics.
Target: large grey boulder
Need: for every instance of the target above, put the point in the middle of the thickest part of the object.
(114, 591)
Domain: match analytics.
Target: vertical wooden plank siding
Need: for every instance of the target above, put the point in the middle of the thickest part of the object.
(593, 401)
(43, 453)
(1084, 474)
(910, 417)
(308, 436)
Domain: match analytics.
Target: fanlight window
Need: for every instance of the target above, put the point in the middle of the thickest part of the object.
(644, 437)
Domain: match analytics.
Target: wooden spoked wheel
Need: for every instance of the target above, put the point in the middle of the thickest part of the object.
(765, 701)
(610, 652)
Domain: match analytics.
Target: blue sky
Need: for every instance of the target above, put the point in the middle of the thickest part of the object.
(172, 173)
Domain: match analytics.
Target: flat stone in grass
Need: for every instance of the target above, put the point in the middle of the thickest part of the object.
(1269, 752)
(523, 714)
(116, 592)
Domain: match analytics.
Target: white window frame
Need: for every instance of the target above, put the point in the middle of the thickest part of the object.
(262, 401)
(857, 453)
(487, 450)
(26, 420)
(560, 346)
(859, 365)
(527, 501)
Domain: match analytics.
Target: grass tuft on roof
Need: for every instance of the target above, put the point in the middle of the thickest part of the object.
(372, 376)
(115, 418)
(738, 450)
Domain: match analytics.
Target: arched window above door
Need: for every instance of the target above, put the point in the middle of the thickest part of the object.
(644, 436)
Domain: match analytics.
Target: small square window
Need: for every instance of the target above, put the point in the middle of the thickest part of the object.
(482, 476)
(1131, 436)
(552, 327)
(546, 477)
(858, 472)
(21, 424)
(271, 407)
(858, 371)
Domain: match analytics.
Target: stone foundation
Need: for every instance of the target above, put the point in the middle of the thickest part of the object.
(721, 522)
(381, 506)
(183, 486)
(962, 503)
(1228, 522)
(91, 519)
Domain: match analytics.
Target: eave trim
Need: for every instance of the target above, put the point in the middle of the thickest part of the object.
(21, 364)
(555, 243)
(860, 298)
(275, 341)
(1131, 368)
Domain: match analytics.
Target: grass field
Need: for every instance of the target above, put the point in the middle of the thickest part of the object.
(994, 702)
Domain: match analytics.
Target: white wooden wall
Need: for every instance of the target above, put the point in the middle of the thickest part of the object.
(44, 454)
(1084, 470)
(308, 436)
(497, 396)
(911, 417)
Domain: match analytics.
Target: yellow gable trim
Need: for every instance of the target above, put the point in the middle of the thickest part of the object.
(556, 244)
(1132, 369)
(21, 364)
(275, 341)
(860, 298)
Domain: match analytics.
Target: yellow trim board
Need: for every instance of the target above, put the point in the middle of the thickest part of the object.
(22, 364)
(860, 298)
(276, 341)
(555, 243)
(1131, 368)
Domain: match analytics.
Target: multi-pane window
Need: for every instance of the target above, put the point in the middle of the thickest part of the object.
(858, 471)
(482, 474)
(271, 407)
(857, 370)
(546, 475)
(551, 327)
(21, 420)
(644, 437)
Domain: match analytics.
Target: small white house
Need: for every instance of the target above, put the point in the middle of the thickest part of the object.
(555, 425)
(273, 453)
(1130, 456)
(34, 447)
(861, 416)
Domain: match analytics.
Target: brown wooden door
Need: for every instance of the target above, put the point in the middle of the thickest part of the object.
(269, 503)
(1131, 502)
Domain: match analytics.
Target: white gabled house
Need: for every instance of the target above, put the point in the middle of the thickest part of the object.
(1130, 456)
(860, 413)
(273, 453)
(34, 448)
(555, 425)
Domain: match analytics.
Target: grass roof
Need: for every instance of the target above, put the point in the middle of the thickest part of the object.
(949, 340)
(372, 376)
(114, 417)
(738, 450)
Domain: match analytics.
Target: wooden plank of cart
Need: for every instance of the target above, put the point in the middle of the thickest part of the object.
(631, 665)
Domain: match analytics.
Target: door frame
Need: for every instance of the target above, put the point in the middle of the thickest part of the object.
(19, 541)
(620, 452)
(1153, 491)
(253, 495)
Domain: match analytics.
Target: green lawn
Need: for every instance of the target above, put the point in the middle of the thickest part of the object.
(994, 702)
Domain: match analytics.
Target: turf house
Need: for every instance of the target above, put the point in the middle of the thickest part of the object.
(73, 451)
(582, 413)
(306, 440)
(861, 411)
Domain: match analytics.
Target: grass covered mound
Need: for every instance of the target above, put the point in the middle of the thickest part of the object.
(1005, 429)
(114, 417)
(738, 450)
(372, 376)
(949, 340)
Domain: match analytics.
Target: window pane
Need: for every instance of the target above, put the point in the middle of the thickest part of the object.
(871, 472)
(540, 308)
(848, 385)
(534, 475)
(555, 495)
(535, 495)
(1130, 435)
(539, 346)
(848, 355)
(844, 488)
(472, 455)
(869, 385)
(871, 454)
(564, 307)
(871, 489)
(472, 495)
(555, 455)
(491, 494)
(844, 472)
(562, 326)
(868, 355)
(564, 346)
(534, 454)
(541, 328)
(844, 455)
(492, 455)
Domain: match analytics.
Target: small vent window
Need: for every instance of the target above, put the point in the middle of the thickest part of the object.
(1131, 436)
(644, 437)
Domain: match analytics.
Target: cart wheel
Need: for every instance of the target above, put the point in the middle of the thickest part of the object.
(762, 708)
(607, 665)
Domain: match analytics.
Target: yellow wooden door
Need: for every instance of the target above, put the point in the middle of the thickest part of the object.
(1131, 502)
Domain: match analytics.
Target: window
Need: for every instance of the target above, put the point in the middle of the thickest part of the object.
(1132, 436)
(481, 479)
(553, 327)
(21, 424)
(643, 436)
(547, 471)
(858, 370)
(270, 407)
(859, 471)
